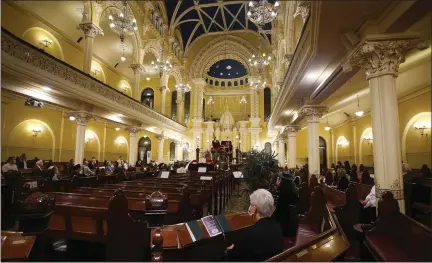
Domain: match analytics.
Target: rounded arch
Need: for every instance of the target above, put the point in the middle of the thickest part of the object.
(106, 8)
(222, 47)
(152, 46)
(30, 125)
(147, 97)
(97, 71)
(340, 142)
(120, 140)
(35, 35)
(144, 146)
(406, 130)
(125, 87)
(366, 131)
(94, 135)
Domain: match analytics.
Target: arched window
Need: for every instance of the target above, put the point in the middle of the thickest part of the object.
(173, 105)
(216, 83)
(223, 83)
(186, 151)
(246, 80)
(229, 84)
(241, 82)
(144, 149)
(236, 83)
(211, 82)
(147, 97)
(267, 104)
(187, 106)
(322, 152)
(172, 151)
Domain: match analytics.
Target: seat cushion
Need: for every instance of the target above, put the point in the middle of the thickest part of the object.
(385, 248)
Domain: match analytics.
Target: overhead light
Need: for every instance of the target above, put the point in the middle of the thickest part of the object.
(327, 127)
(359, 112)
(72, 118)
(123, 58)
(117, 129)
(147, 78)
(46, 88)
(287, 112)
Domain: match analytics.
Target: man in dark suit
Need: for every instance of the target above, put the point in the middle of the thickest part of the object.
(264, 239)
(37, 169)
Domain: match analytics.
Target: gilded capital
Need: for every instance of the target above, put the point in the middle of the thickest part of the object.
(137, 68)
(382, 54)
(133, 129)
(302, 9)
(163, 89)
(81, 117)
(90, 29)
(292, 130)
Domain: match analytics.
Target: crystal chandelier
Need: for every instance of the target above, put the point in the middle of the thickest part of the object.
(262, 12)
(183, 87)
(260, 62)
(258, 85)
(161, 65)
(123, 24)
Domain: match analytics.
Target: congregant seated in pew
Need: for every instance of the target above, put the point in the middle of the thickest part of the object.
(263, 239)
(369, 207)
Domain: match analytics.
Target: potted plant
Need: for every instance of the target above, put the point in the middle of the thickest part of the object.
(260, 169)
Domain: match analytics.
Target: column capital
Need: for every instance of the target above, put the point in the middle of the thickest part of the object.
(281, 137)
(199, 81)
(287, 59)
(163, 89)
(160, 137)
(312, 112)
(137, 68)
(82, 117)
(148, 6)
(90, 29)
(303, 9)
(291, 130)
(382, 54)
(133, 130)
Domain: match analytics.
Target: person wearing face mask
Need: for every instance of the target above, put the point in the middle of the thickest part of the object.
(263, 239)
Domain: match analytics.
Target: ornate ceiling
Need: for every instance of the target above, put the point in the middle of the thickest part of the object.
(196, 18)
(227, 69)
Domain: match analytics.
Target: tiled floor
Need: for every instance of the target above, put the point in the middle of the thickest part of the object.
(238, 202)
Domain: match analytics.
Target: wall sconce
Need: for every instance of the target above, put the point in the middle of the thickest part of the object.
(422, 127)
(89, 138)
(36, 131)
(46, 43)
(342, 142)
(120, 142)
(95, 71)
(368, 138)
(124, 89)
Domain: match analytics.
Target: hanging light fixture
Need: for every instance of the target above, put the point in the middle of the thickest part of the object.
(261, 60)
(258, 85)
(327, 127)
(359, 112)
(262, 12)
(182, 87)
(123, 58)
(123, 23)
(161, 65)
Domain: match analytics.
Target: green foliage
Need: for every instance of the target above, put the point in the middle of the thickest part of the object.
(259, 170)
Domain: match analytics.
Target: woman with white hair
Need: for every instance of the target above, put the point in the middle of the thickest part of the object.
(263, 239)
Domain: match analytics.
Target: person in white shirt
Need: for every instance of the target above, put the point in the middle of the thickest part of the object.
(86, 169)
(369, 207)
(120, 161)
(10, 165)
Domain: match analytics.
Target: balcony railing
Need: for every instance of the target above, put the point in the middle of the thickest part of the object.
(25, 52)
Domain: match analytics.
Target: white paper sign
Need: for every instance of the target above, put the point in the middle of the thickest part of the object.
(202, 169)
(206, 178)
(165, 174)
(238, 175)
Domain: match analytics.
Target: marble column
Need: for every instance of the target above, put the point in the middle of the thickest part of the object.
(380, 57)
(313, 113)
(137, 69)
(180, 106)
(209, 134)
(161, 140)
(90, 32)
(163, 90)
(243, 132)
(81, 120)
(133, 145)
(355, 142)
(199, 84)
(179, 150)
(281, 151)
(292, 150)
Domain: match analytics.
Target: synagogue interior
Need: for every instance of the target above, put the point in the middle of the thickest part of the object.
(214, 130)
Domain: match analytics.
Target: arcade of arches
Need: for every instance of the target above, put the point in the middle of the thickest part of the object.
(344, 82)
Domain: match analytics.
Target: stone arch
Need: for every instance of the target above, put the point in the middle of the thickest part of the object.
(96, 64)
(31, 35)
(90, 132)
(122, 138)
(406, 130)
(175, 72)
(339, 140)
(360, 146)
(152, 46)
(30, 123)
(222, 47)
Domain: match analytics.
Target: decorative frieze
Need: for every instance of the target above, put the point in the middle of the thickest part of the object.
(133, 130)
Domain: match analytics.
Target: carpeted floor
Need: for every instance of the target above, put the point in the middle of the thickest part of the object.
(239, 201)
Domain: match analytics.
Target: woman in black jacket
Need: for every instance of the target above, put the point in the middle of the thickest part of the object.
(285, 212)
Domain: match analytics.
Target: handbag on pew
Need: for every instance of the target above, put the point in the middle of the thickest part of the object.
(36, 203)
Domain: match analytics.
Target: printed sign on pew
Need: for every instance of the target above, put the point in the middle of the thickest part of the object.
(165, 174)
(238, 175)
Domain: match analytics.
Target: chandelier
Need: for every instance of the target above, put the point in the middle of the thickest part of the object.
(262, 12)
(260, 62)
(123, 24)
(183, 87)
(258, 85)
(161, 65)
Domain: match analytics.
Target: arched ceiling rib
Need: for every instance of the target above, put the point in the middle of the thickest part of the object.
(196, 18)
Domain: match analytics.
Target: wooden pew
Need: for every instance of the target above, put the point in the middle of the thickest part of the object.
(396, 237)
